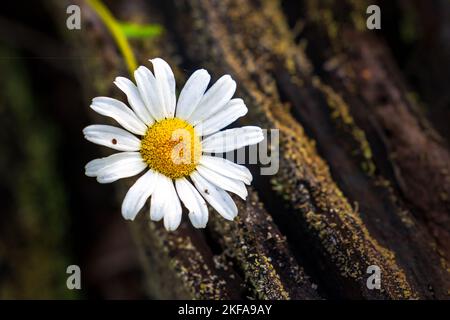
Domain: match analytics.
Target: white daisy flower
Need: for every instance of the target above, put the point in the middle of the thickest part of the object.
(170, 140)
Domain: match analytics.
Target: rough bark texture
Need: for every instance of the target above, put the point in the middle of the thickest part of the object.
(363, 177)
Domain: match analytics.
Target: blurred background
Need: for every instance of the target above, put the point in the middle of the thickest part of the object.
(51, 214)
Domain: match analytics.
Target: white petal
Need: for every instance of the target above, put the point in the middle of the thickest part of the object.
(159, 197)
(115, 167)
(217, 198)
(165, 203)
(227, 168)
(112, 137)
(223, 182)
(172, 215)
(192, 93)
(232, 139)
(234, 109)
(138, 194)
(198, 211)
(95, 166)
(134, 99)
(214, 99)
(149, 91)
(166, 84)
(92, 168)
(120, 112)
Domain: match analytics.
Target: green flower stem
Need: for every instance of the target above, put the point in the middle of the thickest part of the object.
(114, 27)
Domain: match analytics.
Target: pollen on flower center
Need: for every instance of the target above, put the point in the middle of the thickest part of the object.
(171, 147)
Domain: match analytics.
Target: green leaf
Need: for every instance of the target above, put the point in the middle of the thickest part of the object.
(134, 30)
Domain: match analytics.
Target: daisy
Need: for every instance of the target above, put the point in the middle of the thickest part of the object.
(173, 141)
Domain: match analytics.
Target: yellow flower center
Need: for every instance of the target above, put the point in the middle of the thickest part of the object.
(171, 147)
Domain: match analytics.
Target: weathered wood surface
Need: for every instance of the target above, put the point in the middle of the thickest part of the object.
(363, 178)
